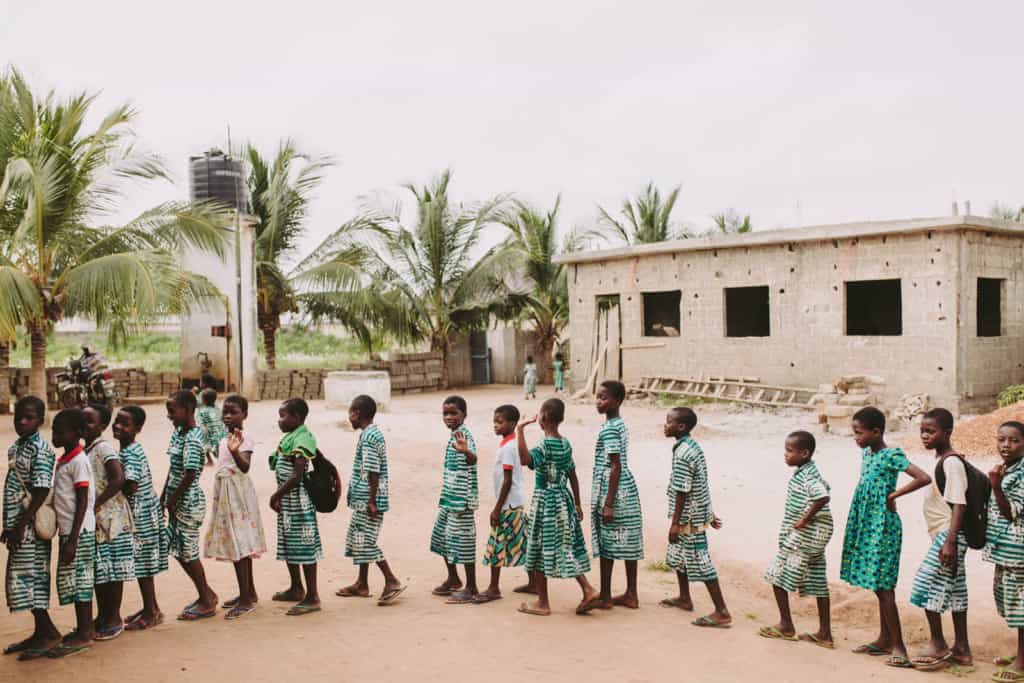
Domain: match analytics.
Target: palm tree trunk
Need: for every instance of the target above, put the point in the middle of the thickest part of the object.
(270, 346)
(37, 377)
(545, 345)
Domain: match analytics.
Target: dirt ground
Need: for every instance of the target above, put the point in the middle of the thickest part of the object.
(424, 639)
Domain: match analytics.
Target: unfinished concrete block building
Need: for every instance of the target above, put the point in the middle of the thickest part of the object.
(932, 306)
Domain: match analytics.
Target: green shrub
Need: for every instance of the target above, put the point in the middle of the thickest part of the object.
(1011, 394)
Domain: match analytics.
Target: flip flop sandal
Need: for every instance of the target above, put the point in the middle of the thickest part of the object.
(461, 598)
(236, 612)
(389, 597)
(15, 648)
(1008, 676)
(589, 605)
(141, 623)
(773, 633)
(1004, 661)
(871, 650)
(299, 610)
(672, 602)
(811, 638)
(484, 599)
(900, 662)
(28, 654)
(192, 614)
(705, 622)
(526, 609)
(932, 663)
(347, 592)
(442, 591)
(109, 633)
(64, 650)
(228, 604)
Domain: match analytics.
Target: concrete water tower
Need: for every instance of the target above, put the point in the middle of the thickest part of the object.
(220, 339)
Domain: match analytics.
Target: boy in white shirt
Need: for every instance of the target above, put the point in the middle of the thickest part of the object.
(74, 498)
(506, 546)
(941, 583)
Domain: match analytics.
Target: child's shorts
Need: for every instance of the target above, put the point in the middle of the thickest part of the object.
(183, 539)
(28, 574)
(1008, 586)
(799, 566)
(361, 540)
(454, 536)
(936, 588)
(690, 555)
(506, 546)
(75, 580)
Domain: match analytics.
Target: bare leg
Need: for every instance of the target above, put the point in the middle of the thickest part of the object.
(541, 606)
(115, 594)
(631, 597)
(295, 592)
(721, 613)
(785, 624)
(891, 616)
(312, 592)
(825, 620)
(1018, 663)
(961, 646)
(590, 596)
(243, 572)
(83, 633)
(494, 588)
(100, 591)
(207, 598)
(150, 609)
(530, 586)
(471, 579)
(361, 587)
(452, 583)
(607, 566)
(937, 645)
(44, 634)
(391, 581)
(683, 600)
(253, 597)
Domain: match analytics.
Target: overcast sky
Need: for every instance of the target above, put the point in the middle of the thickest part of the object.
(796, 112)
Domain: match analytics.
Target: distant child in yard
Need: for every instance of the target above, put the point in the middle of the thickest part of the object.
(115, 547)
(615, 515)
(507, 544)
(235, 533)
(941, 582)
(298, 535)
(209, 419)
(1005, 547)
(558, 368)
(806, 530)
(185, 502)
(29, 476)
(530, 378)
(454, 534)
(368, 498)
(874, 532)
(150, 541)
(555, 546)
(74, 498)
(690, 514)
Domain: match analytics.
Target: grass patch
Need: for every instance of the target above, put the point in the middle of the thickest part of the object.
(154, 351)
(303, 347)
(659, 566)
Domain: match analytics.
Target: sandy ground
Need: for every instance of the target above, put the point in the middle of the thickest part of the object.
(424, 639)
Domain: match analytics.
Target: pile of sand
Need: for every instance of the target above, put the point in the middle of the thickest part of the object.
(977, 436)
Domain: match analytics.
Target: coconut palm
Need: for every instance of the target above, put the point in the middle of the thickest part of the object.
(60, 178)
(644, 219)
(281, 193)
(729, 222)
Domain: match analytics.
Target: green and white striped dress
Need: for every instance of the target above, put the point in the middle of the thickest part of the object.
(454, 534)
(186, 453)
(800, 562)
(690, 554)
(298, 535)
(371, 457)
(150, 541)
(27, 579)
(1005, 547)
(623, 537)
(555, 544)
(210, 420)
(115, 547)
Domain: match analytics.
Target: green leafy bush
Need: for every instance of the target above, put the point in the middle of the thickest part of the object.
(1011, 394)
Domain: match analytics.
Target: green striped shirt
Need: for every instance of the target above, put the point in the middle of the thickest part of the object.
(459, 488)
(185, 452)
(210, 421)
(690, 476)
(136, 468)
(371, 457)
(805, 486)
(32, 459)
(1006, 537)
(552, 462)
(613, 438)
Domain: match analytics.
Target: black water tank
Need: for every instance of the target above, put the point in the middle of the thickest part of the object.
(216, 176)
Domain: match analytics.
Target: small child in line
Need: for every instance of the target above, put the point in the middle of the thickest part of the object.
(1005, 547)
(115, 547)
(74, 498)
(874, 532)
(454, 534)
(555, 548)
(235, 533)
(149, 540)
(368, 498)
(806, 530)
(530, 378)
(209, 419)
(558, 370)
(185, 502)
(941, 582)
(298, 535)
(690, 514)
(506, 546)
(615, 515)
(29, 475)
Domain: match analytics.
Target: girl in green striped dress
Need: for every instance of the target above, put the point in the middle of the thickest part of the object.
(150, 541)
(616, 518)
(298, 536)
(555, 547)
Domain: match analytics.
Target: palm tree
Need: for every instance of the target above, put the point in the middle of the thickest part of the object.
(281, 193)
(1006, 212)
(729, 222)
(58, 178)
(645, 219)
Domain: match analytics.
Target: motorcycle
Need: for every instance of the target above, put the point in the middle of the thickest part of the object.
(86, 379)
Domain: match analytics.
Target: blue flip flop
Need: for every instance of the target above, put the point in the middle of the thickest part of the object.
(109, 633)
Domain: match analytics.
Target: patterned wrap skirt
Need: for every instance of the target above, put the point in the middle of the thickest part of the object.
(236, 528)
(506, 546)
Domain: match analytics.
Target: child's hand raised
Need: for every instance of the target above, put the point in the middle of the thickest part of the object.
(716, 522)
(235, 441)
(525, 423)
(461, 443)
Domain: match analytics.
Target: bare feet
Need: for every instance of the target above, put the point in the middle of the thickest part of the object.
(626, 600)
(681, 603)
(591, 601)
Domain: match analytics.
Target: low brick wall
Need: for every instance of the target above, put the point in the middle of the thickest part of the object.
(277, 385)
(410, 373)
(131, 383)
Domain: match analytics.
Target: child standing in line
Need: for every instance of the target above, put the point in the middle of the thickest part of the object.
(555, 548)
(369, 499)
(530, 378)
(615, 514)
(115, 549)
(874, 532)
(558, 368)
(298, 536)
(941, 582)
(454, 534)
(185, 502)
(29, 475)
(506, 546)
(209, 419)
(74, 497)
(235, 533)
(150, 541)
(690, 514)
(806, 530)
(1005, 547)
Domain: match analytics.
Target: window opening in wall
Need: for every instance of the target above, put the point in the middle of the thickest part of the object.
(747, 312)
(661, 314)
(874, 308)
(990, 307)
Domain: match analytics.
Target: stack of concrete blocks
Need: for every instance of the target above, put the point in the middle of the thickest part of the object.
(837, 403)
(411, 373)
(308, 384)
(275, 384)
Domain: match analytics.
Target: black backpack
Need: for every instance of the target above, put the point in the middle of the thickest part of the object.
(979, 490)
(323, 483)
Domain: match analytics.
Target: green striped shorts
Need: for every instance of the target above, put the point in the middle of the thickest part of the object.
(690, 556)
(936, 588)
(115, 561)
(28, 574)
(361, 540)
(1008, 586)
(76, 579)
(799, 566)
(454, 536)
